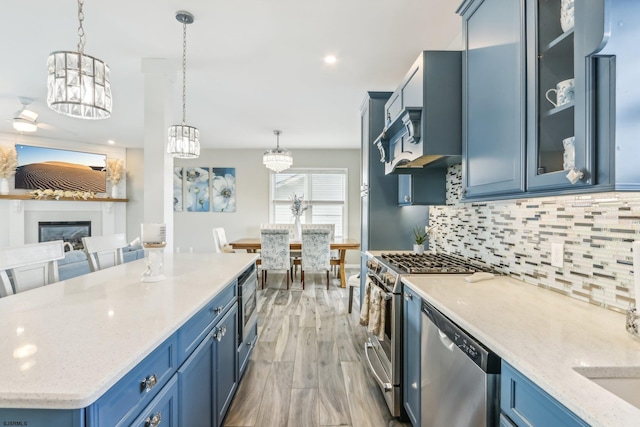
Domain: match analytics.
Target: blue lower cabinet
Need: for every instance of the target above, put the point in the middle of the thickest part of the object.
(226, 362)
(163, 409)
(412, 324)
(195, 380)
(124, 401)
(245, 347)
(527, 405)
(209, 377)
(42, 417)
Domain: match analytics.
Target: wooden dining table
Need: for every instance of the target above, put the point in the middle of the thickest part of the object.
(252, 244)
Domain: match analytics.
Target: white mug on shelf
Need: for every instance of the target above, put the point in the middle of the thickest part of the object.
(564, 92)
(567, 15)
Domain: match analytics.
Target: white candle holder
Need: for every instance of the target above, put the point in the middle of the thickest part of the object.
(154, 241)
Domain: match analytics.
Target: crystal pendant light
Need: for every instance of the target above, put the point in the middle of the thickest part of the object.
(184, 141)
(277, 159)
(79, 85)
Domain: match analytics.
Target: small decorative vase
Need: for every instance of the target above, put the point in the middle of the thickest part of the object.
(418, 249)
(298, 228)
(114, 191)
(4, 186)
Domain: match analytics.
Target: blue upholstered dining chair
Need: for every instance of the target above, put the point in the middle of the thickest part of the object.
(274, 252)
(316, 252)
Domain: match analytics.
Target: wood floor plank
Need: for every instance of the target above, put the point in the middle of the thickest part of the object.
(305, 374)
(303, 410)
(307, 309)
(287, 341)
(366, 404)
(274, 407)
(246, 403)
(333, 404)
(350, 350)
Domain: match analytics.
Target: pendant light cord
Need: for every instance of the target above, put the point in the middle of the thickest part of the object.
(83, 37)
(184, 71)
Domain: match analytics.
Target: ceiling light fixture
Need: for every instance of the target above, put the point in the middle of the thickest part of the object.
(24, 125)
(184, 141)
(78, 84)
(25, 120)
(277, 159)
(330, 59)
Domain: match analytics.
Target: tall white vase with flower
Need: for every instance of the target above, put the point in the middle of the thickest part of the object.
(298, 206)
(115, 173)
(8, 165)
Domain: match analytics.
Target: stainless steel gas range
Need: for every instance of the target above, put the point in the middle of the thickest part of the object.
(385, 270)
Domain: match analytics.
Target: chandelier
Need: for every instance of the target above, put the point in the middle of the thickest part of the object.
(79, 85)
(184, 141)
(277, 159)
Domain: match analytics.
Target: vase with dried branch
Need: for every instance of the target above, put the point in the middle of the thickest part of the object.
(8, 165)
(115, 173)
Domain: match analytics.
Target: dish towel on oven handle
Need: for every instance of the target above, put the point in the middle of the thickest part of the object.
(374, 309)
(364, 312)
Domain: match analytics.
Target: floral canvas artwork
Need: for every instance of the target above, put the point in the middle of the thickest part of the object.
(177, 189)
(223, 185)
(196, 189)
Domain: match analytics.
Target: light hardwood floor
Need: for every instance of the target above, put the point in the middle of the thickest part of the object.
(307, 369)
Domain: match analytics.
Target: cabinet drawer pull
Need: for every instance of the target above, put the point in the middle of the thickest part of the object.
(154, 420)
(218, 310)
(408, 296)
(148, 383)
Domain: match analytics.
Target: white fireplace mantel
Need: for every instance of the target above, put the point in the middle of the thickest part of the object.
(22, 216)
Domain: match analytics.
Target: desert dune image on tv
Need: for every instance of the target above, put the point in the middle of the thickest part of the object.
(44, 168)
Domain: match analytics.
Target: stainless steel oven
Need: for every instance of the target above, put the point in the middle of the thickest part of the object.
(247, 302)
(384, 352)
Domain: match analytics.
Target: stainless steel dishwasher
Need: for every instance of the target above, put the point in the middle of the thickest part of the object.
(460, 377)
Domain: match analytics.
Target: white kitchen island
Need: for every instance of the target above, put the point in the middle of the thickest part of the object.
(66, 344)
(545, 336)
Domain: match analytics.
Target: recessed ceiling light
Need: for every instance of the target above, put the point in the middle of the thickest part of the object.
(111, 142)
(330, 59)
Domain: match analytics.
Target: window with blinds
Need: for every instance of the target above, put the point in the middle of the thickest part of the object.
(323, 190)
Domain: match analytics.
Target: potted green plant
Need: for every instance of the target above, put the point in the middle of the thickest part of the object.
(419, 236)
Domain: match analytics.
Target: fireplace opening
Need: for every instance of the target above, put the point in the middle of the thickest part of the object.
(69, 231)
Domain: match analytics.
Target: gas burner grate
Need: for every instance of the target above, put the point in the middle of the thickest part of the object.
(433, 263)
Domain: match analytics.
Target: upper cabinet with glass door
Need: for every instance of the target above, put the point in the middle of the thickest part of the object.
(569, 95)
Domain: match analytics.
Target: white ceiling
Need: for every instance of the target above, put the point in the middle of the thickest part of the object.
(252, 65)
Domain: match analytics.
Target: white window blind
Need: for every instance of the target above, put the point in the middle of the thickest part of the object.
(325, 190)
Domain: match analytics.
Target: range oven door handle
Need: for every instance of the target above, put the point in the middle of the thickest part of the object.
(385, 385)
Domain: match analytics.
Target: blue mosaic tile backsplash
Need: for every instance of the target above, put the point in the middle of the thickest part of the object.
(515, 237)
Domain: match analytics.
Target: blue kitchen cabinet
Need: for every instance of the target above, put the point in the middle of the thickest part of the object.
(493, 93)
(226, 363)
(42, 417)
(208, 378)
(163, 409)
(427, 187)
(524, 404)
(520, 136)
(411, 330)
(195, 380)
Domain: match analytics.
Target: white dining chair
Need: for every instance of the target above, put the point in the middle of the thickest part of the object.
(220, 240)
(335, 254)
(275, 253)
(104, 251)
(316, 251)
(30, 266)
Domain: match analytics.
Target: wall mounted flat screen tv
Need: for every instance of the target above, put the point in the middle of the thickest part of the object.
(44, 168)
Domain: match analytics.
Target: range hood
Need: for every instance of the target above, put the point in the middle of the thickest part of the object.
(424, 116)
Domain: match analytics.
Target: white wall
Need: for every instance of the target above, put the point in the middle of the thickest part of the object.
(192, 230)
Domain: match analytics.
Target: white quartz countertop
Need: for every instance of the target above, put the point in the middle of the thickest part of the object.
(544, 335)
(66, 344)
